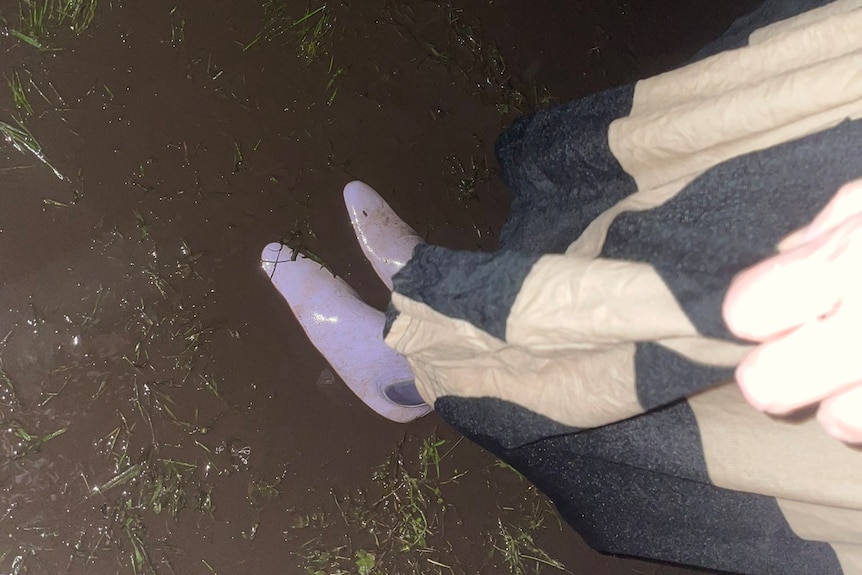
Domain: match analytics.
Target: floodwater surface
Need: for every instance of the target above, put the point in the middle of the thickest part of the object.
(160, 409)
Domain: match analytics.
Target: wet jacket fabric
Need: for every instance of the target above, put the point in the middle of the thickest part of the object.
(589, 350)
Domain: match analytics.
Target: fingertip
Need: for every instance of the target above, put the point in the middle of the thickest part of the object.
(845, 204)
(739, 308)
(841, 416)
(773, 381)
(750, 381)
(782, 293)
(793, 240)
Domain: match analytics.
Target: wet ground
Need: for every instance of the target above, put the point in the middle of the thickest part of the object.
(161, 410)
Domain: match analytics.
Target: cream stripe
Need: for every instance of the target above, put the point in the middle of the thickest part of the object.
(580, 388)
(814, 478)
(568, 302)
(707, 350)
(667, 145)
(823, 43)
(822, 523)
(578, 317)
(590, 243)
(850, 557)
(686, 121)
(803, 20)
(749, 451)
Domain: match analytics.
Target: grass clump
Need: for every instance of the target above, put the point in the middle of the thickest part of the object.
(76, 14)
(39, 19)
(517, 547)
(400, 525)
(411, 508)
(308, 30)
(490, 64)
(19, 95)
(150, 484)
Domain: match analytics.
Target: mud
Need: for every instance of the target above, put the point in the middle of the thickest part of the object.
(161, 410)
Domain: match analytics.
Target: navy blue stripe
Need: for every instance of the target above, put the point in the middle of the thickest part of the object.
(639, 513)
(662, 376)
(474, 286)
(561, 172)
(767, 13)
(640, 487)
(497, 425)
(733, 215)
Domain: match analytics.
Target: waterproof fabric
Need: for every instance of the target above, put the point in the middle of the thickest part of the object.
(589, 351)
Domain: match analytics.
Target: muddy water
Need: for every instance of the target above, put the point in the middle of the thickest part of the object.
(161, 409)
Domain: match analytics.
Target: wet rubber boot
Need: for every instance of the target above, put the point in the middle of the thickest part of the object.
(386, 240)
(347, 332)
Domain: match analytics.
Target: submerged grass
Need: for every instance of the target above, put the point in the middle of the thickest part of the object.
(490, 64)
(19, 135)
(307, 30)
(22, 139)
(403, 529)
(152, 484)
(459, 46)
(397, 531)
(155, 465)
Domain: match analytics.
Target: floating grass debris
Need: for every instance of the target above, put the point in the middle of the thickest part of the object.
(8, 393)
(398, 529)
(466, 179)
(319, 561)
(23, 140)
(178, 27)
(478, 60)
(334, 75)
(29, 443)
(514, 540)
(313, 26)
(260, 491)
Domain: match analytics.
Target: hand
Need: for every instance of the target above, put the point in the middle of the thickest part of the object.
(804, 307)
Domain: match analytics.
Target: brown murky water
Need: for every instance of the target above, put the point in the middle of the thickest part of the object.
(161, 410)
